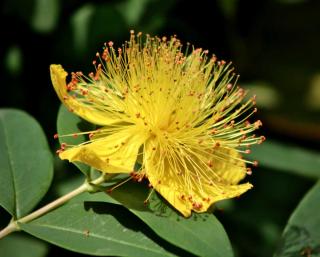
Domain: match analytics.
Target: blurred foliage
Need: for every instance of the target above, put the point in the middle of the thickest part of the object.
(273, 45)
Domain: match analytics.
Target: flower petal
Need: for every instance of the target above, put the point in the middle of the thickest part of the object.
(58, 78)
(116, 153)
(187, 197)
(226, 170)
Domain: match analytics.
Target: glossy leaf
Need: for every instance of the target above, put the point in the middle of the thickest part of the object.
(95, 228)
(19, 245)
(288, 158)
(201, 234)
(26, 166)
(301, 236)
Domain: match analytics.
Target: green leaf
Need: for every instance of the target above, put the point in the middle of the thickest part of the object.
(89, 28)
(69, 123)
(95, 228)
(45, 15)
(132, 10)
(26, 166)
(302, 233)
(293, 159)
(19, 245)
(201, 234)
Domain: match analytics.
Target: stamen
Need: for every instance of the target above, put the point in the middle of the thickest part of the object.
(118, 185)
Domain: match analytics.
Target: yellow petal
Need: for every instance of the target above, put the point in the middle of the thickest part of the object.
(173, 188)
(116, 153)
(58, 78)
(229, 172)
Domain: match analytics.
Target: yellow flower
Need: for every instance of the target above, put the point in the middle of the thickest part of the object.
(180, 115)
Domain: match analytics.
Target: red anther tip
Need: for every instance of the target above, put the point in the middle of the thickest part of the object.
(110, 43)
(55, 136)
(145, 202)
(257, 124)
(213, 131)
(109, 191)
(75, 135)
(255, 163)
(229, 86)
(197, 205)
(249, 171)
(248, 151)
(63, 146)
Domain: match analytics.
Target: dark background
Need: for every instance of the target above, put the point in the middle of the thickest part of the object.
(273, 44)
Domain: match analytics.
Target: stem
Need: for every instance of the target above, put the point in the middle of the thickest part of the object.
(53, 204)
(13, 225)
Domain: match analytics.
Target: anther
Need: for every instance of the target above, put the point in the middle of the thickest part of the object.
(257, 124)
(249, 171)
(213, 131)
(254, 99)
(262, 139)
(55, 136)
(255, 163)
(197, 205)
